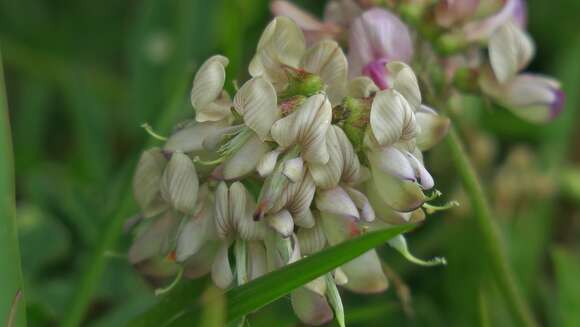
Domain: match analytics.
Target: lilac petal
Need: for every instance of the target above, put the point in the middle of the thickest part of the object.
(377, 34)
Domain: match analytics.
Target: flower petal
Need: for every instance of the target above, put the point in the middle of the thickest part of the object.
(362, 203)
(306, 126)
(256, 101)
(405, 82)
(224, 224)
(377, 34)
(153, 240)
(256, 260)
(394, 162)
(242, 207)
(267, 163)
(221, 270)
(147, 181)
(432, 128)
(311, 240)
(362, 87)
(281, 44)
(327, 60)
(246, 159)
(392, 119)
(207, 87)
(336, 201)
(190, 138)
(294, 169)
(282, 222)
(510, 50)
(310, 307)
(365, 274)
(179, 184)
(423, 176)
(400, 195)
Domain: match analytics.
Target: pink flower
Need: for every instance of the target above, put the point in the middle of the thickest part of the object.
(512, 10)
(376, 38)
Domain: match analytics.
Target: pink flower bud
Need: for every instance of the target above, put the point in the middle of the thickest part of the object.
(377, 37)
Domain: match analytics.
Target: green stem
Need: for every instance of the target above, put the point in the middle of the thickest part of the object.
(493, 243)
(11, 300)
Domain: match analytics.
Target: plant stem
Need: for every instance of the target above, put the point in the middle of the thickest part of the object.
(491, 236)
(11, 300)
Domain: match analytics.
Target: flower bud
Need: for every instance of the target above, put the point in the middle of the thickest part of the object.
(377, 37)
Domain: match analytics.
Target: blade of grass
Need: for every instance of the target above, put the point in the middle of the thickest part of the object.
(252, 296)
(10, 269)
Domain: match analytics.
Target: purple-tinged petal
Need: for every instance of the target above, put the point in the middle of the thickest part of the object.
(377, 34)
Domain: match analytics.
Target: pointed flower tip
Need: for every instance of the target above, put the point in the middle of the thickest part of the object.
(557, 105)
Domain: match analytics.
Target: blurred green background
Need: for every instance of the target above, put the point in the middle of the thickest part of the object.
(82, 76)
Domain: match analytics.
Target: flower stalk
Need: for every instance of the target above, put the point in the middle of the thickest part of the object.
(493, 242)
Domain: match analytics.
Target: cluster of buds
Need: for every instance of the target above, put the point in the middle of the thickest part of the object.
(301, 158)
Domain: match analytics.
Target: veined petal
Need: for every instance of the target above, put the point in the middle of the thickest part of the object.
(535, 98)
(392, 118)
(405, 82)
(432, 128)
(208, 83)
(300, 197)
(256, 260)
(179, 184)
(147, 182)
(221, 271)
(365, 274)
(362, 87)
(294, 169)
(310, 307)
(328, 175)
(224, 224)
(151, 242)
(337, 201)
(220, 109)
(510, 50)
(306, 126)
(282, 43)
(192, 237)
(246, 159)
(256, 101)
(242, 207)
(311, 240)
(267, 163)
(351, 169)
(282, 222)
(327, 60)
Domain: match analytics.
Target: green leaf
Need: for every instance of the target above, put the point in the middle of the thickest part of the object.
(567, 267)
(252, 296)
(11, 302)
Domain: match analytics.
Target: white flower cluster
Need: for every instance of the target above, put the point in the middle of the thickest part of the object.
(300, 159)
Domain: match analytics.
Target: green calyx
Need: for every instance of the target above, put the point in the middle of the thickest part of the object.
(353, 116)
(301, 83)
